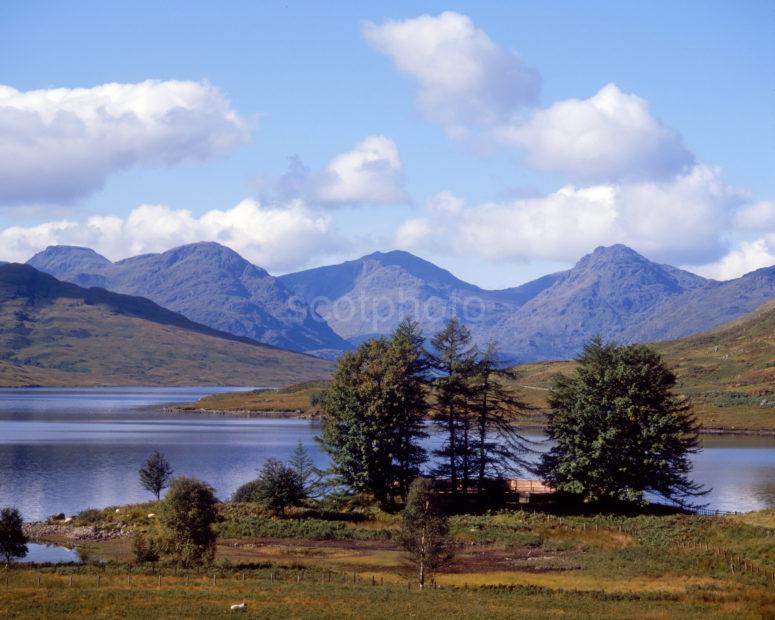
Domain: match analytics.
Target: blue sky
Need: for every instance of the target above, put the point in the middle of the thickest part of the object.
(467, 174)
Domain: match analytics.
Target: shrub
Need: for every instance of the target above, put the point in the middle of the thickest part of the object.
(143, 551)
(13, 542)
(278, 487)
(187, 515)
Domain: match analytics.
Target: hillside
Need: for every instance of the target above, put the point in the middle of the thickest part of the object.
(728, 372)
(57, 333)
(605, 293)
(206, 282)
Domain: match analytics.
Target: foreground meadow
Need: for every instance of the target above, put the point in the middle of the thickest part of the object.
(348, 565)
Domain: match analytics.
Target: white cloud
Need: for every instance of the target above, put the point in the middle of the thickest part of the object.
(63, 143)
(751, 255)
(434, 228)
(463, 77)
(610, 136)
(274, 238)
(369, 173)
(757, 217)
(681, 221)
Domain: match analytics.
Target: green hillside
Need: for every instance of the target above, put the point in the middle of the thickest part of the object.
(58, 334)
(728, 372)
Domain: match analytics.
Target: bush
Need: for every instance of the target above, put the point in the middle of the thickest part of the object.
(187, 515)
(90, 516)
(143, 551)
(278, 487)
(13, 542)
(248, 492)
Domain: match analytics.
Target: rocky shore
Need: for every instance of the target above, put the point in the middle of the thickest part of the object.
(42, 531)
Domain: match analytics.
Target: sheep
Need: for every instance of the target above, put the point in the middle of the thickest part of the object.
(243, 606)
(151, 515)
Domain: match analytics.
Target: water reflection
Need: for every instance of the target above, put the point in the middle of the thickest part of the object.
(50, 553)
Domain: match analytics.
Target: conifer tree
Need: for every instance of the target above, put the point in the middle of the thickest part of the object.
(619, 429)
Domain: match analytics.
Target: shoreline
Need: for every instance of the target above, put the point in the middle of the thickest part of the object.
(301, 415)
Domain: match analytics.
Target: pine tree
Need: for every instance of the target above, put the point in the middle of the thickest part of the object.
(424, 531)
(309, 475)
(453, 362)
(498, 446)
(619, 429)
(407, 379)
(155, 474)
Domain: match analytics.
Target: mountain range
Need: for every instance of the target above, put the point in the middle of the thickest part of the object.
(613, 292)
(206, 282)
(57, 333)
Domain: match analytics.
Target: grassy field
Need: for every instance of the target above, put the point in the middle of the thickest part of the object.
(323, 564)
(297, 399)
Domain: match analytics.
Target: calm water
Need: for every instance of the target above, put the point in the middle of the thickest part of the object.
(66, 450)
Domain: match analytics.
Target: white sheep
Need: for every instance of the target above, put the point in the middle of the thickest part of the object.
(243, 606)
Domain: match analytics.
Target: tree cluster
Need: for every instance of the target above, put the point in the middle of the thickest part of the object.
(374, 414)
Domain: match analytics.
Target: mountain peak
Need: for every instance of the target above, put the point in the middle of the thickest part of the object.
(58, 252)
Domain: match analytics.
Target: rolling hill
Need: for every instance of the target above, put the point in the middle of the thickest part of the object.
(60, 334)
(206, 282)
(728, 372)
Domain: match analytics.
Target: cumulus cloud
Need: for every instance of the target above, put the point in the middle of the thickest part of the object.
(681, 220)
(63, 143)
(751, 255)
(610, 136)
(757, 217)
(433, 229)
(463, 77)
(276, 238)
(371, 173)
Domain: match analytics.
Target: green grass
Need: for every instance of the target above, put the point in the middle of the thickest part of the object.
(533, 563)
(298, 399)
(289, 598)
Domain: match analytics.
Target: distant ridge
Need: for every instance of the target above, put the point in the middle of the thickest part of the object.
(614, 292)
(207, 282)
(58, 333)
(369, 296)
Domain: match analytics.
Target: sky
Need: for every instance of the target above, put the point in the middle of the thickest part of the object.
(501, 141)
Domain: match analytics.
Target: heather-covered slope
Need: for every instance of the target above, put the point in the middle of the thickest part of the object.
(57, 333)
(728, 372)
